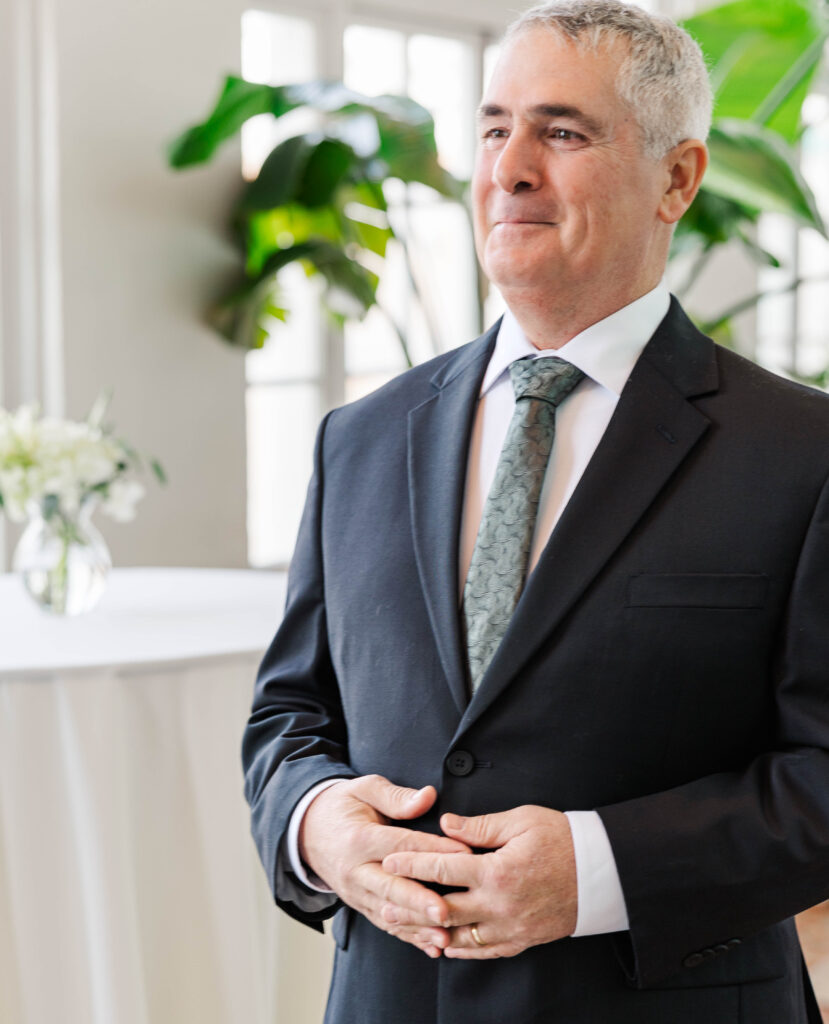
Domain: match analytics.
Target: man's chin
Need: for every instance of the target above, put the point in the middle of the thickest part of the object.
(512, 278)
(513, 267)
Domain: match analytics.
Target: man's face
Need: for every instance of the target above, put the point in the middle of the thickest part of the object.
(562, 191)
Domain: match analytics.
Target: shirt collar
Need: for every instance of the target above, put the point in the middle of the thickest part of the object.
(606, 351)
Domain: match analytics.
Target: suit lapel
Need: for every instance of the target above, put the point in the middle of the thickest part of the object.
(438, 445)
(652, 431)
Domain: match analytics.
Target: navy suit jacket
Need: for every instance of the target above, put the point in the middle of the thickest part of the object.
(667, 665)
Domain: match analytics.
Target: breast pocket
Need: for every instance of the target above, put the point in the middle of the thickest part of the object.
(697, 590)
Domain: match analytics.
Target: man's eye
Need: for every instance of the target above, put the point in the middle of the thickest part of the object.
(565, 135)
(495, 133)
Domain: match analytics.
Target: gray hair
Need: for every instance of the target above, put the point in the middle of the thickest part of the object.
(663, 78)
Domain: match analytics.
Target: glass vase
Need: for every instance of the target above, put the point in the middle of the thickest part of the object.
(63, 560)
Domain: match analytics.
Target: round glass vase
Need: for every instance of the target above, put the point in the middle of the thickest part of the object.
(63, 560)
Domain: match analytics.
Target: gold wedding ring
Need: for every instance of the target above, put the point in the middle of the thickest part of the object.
(477, 936)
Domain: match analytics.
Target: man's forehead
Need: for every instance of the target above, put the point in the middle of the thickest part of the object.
(541, 73)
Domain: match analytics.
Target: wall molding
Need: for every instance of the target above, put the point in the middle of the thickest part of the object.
(31, 342)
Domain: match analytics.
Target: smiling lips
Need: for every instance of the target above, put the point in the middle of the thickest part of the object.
(523, 222)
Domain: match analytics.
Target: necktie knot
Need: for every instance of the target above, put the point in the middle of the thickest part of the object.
(550, 378)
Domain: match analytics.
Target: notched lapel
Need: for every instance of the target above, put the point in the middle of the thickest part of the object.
(653, 430)
(439, 433)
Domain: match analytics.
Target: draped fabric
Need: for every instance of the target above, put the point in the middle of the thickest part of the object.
(130, 889)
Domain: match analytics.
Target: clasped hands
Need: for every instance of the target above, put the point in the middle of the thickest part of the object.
(520, 894)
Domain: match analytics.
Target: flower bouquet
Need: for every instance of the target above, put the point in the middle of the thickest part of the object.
(53, 474)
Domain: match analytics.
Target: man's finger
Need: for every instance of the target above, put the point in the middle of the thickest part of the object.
(386, 839)
(408, 923)
(393, 801)
(487, 830)
(444, 868)
(424, 906)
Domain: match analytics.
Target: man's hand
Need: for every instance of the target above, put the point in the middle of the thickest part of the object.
(344, 836)
(522, 894)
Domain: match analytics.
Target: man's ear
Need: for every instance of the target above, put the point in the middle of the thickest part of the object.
(685, 166)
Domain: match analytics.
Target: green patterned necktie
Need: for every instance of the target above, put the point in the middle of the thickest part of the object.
(502, 549)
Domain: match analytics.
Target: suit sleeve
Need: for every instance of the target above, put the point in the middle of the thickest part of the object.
(730, 854)
(296, 734)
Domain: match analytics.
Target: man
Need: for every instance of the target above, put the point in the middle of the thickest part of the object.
(551, 687)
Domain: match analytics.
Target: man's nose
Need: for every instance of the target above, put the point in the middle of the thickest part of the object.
(517, 168)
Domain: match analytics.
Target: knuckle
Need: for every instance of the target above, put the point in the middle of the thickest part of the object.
(351, 842)
(402, 841)
(476, 827)
(499, 875)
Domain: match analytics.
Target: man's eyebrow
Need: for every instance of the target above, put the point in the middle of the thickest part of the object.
(546, 110)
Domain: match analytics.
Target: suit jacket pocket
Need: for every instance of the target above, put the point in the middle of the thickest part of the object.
(697, 590)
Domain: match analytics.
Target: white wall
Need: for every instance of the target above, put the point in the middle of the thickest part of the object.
(140, 249)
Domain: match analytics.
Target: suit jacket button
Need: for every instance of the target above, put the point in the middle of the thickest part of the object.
(733, 943)
(693, 960)
(722, 948)
(460, 762)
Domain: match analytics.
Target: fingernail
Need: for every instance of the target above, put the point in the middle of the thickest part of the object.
(434, 912)
(416, 793)
(454, 821)
(392, 866)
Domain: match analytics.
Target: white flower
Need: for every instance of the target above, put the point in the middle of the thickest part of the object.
(64, 461)
(122, 497)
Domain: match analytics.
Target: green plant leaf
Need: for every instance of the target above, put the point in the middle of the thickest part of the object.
(238, 101)
(328, 164)
(401, 142)
(760, 255)
(280, 175)
(343, 275)
(370, 236)
(713, 219)
(158, 470)
(754, 46)
(304, 168)
(286, 226)
(245, 315)
(752, 165)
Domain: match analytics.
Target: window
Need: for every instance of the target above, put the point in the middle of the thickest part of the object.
(284, 398)
(428, 291)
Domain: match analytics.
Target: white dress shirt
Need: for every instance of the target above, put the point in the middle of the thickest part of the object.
(606, 353)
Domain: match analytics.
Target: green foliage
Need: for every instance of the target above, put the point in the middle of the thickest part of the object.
(752, 166)
(318, 197)
(763, 56)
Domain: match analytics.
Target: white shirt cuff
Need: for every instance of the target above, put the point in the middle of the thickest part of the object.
(292, 838)
(601, 900)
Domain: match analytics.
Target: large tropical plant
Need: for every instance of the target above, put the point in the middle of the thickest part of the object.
(318, 198)
(764, 56)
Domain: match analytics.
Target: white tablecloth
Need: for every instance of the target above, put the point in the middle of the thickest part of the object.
(130, 890)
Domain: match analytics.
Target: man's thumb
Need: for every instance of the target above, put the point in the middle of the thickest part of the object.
(397, 801)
